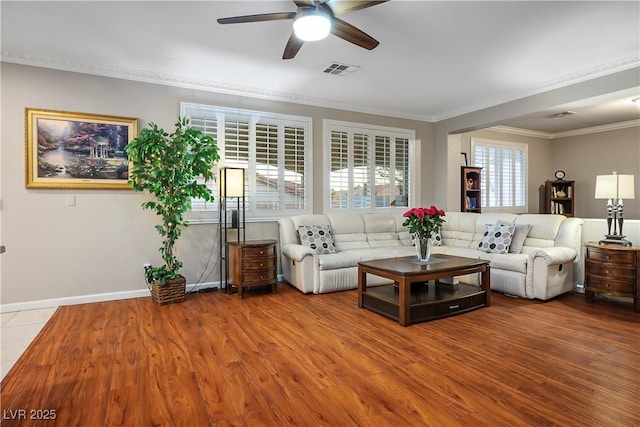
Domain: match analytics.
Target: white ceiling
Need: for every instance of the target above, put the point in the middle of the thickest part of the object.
(436, 59)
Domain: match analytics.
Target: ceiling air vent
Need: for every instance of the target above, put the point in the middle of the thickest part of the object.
(564, 114)
(340, 69)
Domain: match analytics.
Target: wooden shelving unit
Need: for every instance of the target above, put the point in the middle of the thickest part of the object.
(471, 194)
(559, 197)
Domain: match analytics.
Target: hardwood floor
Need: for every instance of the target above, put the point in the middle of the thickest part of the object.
(317, 360)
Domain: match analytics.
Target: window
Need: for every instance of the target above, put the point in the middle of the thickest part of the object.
(273, 148)
(504, 174)
(366, 166)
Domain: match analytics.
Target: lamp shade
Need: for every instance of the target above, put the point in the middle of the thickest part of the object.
(311, 24)
(615, 186)
(232, 182)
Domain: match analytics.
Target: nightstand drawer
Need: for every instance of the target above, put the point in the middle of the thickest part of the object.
(608, 270)
(265, 276)
(259, 264)
(607, 284)
(619, 257)
(258, 252)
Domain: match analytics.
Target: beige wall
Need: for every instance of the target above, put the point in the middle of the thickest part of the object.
(585, 156)
(55, 251)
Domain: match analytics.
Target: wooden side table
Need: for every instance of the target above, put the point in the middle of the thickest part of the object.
(612, 270)
(252, 263)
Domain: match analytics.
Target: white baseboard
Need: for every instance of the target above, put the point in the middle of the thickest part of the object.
(84, 299)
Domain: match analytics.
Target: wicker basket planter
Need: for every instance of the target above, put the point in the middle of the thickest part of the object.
(174, 290)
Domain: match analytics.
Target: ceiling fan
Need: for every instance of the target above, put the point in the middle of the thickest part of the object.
(322, 12)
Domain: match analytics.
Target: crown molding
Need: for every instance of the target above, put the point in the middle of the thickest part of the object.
(596, 129)
(282, 96)
(565, 134)
(522, 132)
(197, 84)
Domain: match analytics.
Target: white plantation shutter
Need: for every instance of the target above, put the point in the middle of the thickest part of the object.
(294, 173)
(360, 194)
(381, 167)
(504, 174)
(339, 169)
(274, 149)
(367, 166)
(266, 164)
(401, 172)
(208, 126)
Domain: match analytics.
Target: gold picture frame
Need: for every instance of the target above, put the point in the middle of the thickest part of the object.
(77, 150)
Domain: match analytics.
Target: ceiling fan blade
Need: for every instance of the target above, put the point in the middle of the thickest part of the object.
(257, 18)
(293, 46)
(352, 34)
(342, 7)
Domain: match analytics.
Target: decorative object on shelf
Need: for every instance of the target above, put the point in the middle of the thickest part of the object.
(615, 187)
(77, 150)
(423, 223)
(170, 167)
(463, 159)
(561, 194)
(232, 186)
(560, 175)
(471, 189)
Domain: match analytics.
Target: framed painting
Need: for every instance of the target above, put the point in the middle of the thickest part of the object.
(77, 150)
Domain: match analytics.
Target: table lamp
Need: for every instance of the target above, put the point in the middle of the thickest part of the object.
(615, 187)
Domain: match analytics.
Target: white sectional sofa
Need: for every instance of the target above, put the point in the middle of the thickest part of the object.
(544, 268)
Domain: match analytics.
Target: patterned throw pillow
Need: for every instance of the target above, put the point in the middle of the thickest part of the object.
(519, 236)
(497, 238)
(436, 239)
(318, 238)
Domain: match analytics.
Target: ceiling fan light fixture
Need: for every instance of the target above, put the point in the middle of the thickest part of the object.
(636, 101)
(311, 24)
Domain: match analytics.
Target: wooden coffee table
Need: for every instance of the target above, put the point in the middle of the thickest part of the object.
(430, 299)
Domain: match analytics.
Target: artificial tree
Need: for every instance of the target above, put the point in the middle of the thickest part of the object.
(170, 166)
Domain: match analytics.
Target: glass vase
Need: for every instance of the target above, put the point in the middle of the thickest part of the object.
(422, 242)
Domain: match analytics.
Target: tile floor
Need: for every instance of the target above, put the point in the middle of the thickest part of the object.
(18, 330)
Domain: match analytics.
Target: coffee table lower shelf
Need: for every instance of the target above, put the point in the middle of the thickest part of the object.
(429, 301)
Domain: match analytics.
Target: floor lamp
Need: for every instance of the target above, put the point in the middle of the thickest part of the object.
(231, 187)
(615, 187)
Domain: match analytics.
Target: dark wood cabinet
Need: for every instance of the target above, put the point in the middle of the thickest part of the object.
(471, 200)
(252, 263)
(559, 197)
(612, 270)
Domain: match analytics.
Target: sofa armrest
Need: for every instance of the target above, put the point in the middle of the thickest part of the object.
(297, 252)
(554, 255)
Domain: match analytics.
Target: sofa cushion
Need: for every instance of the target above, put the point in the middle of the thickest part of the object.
(497, 238)
(349, 241)
(317, 237)
(519, 236)
(406, 239)
(381, 240)
(511, 262)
